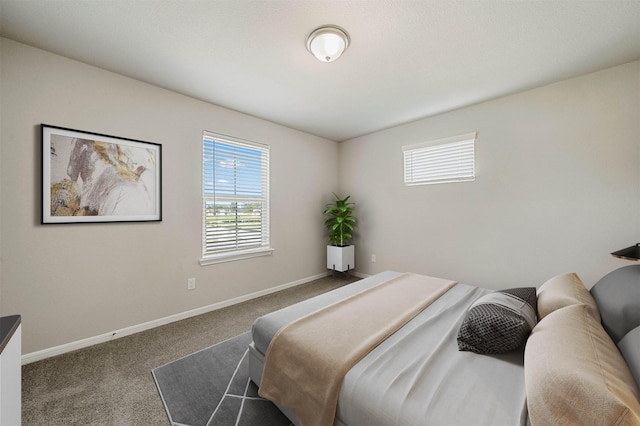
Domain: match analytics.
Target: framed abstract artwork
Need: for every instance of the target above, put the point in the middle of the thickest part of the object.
(90, 177)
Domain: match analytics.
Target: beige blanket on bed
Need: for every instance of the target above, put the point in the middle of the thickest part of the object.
(307, 360)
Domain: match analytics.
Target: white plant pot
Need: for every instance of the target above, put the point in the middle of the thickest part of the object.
(341, 258)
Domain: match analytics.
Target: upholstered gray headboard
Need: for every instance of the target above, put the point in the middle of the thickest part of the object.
(618, 297)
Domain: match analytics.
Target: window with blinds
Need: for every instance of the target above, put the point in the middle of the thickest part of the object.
(235, 199)
(440, 161)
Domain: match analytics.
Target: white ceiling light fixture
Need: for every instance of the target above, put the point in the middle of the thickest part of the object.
(328, 42)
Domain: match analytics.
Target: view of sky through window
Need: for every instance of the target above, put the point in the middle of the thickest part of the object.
(236, 171)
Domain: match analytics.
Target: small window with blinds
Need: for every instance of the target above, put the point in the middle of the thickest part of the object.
(235, 199)
(440, 161)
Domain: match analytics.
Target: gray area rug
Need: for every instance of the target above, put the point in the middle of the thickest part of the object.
(212, 387)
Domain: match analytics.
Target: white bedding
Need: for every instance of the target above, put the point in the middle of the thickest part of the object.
(418, 376)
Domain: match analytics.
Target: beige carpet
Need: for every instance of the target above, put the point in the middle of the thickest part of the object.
(111, 383)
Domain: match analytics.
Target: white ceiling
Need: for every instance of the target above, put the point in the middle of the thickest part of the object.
(407, 59)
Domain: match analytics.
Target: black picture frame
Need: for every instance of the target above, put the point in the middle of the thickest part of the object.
(96, 178)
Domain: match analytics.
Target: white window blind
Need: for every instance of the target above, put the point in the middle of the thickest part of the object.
(440, 161)
(235, 198)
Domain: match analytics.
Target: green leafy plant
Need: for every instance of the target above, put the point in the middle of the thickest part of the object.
(340, 222)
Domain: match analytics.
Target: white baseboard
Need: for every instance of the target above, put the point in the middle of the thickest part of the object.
(79, 344)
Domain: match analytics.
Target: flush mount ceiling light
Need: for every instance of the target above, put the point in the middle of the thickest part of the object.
(328, 42)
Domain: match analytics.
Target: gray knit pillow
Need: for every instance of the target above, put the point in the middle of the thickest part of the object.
(499, 322)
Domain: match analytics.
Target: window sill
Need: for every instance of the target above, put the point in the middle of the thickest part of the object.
(237, 255)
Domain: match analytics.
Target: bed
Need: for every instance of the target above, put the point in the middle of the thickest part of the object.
(580, 364)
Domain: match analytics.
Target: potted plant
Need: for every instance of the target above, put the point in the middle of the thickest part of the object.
(340, 223)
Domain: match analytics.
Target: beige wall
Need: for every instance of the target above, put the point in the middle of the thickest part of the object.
(557, 187)
(72, 282)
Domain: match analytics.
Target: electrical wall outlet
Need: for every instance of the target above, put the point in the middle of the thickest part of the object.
(373, 258)
(191, 284)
